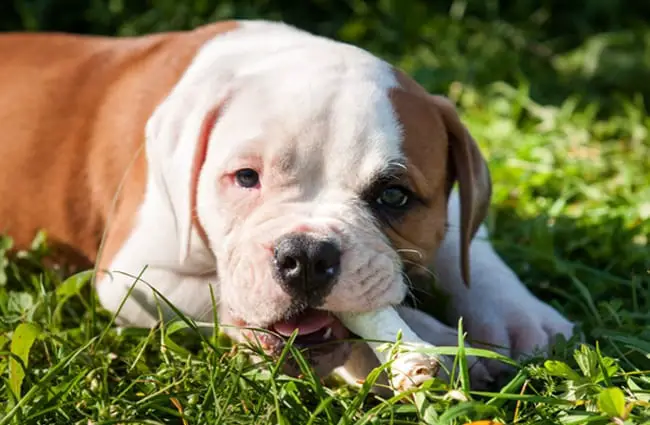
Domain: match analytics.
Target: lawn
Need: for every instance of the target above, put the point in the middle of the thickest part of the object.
(562, 119)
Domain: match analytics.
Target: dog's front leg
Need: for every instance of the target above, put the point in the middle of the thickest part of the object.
(497, 308)
(146, 261)
(190, 294)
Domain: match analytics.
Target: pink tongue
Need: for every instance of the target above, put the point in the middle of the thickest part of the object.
(307, 323)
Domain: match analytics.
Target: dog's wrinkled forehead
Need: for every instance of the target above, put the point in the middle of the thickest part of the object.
(331, 113)
(337, 127)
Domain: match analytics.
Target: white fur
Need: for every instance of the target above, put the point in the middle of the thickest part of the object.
(497, 307)
(337, 103)
(322, 109)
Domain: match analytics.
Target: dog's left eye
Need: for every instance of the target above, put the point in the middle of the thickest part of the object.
(247, 177)
(393, 197)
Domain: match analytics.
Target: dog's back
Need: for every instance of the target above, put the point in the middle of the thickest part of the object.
(66, 100)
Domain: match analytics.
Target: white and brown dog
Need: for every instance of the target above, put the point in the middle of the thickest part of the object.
(294, 175)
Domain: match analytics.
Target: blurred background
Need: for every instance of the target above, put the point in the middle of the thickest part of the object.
(559, 47)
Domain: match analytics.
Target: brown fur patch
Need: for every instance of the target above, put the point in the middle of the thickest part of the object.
(73, 114)
(425, 145)
(440, 151)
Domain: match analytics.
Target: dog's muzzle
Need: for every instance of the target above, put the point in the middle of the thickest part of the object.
(307, 267)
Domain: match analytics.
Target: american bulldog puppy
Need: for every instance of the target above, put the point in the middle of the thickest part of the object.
(295, 176)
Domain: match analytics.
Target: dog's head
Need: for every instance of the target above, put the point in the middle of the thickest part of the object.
(314, 174)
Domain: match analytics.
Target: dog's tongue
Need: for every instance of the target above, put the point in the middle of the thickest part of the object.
(307, 323)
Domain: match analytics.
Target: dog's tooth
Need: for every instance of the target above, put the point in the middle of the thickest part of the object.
(328, 333)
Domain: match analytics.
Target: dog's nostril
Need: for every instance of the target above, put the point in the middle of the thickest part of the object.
(327, 265)
(289, 264)
(323, 268)
(325, 258)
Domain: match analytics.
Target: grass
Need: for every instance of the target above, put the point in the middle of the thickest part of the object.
(571, 215)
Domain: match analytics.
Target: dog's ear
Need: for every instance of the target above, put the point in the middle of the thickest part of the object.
(468, 167)
(177, 136)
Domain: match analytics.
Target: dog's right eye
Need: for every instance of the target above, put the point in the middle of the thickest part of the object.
(247, 177)
(393, 197)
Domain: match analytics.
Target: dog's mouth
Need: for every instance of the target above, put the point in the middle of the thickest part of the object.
(320, 337)
(313, 327)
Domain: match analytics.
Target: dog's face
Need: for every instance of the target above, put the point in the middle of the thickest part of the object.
(315, 190)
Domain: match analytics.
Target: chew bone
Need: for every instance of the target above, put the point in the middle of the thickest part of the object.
(409, 369)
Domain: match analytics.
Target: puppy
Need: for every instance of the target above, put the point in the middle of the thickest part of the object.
(290, 175)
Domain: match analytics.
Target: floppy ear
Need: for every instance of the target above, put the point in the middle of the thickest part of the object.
(469, 168)
(177, 136)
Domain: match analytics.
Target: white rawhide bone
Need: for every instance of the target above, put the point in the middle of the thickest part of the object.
(409, 369)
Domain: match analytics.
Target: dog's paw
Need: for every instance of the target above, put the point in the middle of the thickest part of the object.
(515, 324)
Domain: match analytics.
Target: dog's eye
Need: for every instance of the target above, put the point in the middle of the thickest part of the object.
(393, 197)
(247, 177)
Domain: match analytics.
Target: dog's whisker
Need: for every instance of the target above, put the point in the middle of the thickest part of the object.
(410, 288)
(422, 268)
(411, 251)
(397, 165)
(414, 287)
(407, 280)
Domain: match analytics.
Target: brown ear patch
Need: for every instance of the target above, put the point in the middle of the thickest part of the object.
(471, 172)
(425, 147)
(441, 152)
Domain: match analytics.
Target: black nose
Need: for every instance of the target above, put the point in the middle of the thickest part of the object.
(307, 266)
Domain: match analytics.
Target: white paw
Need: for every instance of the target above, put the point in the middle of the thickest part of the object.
(514, 324)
